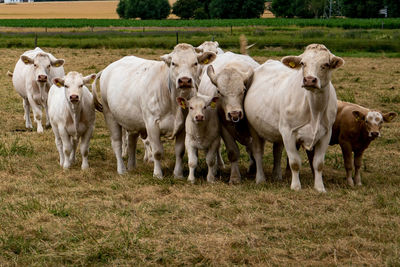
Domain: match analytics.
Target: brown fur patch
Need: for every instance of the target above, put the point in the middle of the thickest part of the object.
(295, 167)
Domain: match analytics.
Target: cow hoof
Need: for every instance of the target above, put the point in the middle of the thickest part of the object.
(40, 130)
(321, 190)
(211, 179)
(295, 187)
(234, 180)
(260, 180)
(158, 176)
(359, 184)
(350, 182)
(191, 180)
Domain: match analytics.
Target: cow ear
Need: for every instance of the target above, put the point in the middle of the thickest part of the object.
(358, 115)
(213, 102)
(59, 82)
(388, 117)
(198, 49)
(211, 75)
(57, 63)
(206, 58)
(27, 60)
(216, 43)
(336, 62)
(181, 102)
(89, 79)
(249, 78)
(292, 61)
(167, 59)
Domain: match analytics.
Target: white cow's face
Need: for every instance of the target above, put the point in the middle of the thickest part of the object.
(373, 120)
(185, 66)
(197, 106)
(231, 85)
(41, 64)
(317, 63)
(73, 83)
(209, 46)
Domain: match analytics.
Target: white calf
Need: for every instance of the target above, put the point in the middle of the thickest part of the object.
(202, 132)
(72, 115)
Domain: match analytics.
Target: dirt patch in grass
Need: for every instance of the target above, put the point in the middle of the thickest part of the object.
(97, 217)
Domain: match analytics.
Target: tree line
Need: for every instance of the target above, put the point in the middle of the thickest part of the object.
(230, 9)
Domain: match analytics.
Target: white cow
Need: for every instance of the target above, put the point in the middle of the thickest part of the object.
(202, 132)
(291, 103)
(32, 78)
(140, 96)
(72, 116)
(210, 46)
(229, 76)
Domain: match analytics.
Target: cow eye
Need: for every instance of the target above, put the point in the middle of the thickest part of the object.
(48, 66)
(190, 107)
(173, 64)
(302, 63)
(80, 86)
(35, 65)
(196, 64)
(204, 107)
(66, 86)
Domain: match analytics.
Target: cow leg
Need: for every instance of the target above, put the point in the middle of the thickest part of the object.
(277, 170)
(258, 152)
(192, 157)
(318, 162)
(148, 155)
(179, 152)
(220, 161)
(37, 114)
(116, 138)
(27, 117)
(211, 158)
(233, 155)
(47, 116)
(84, 148)
(357, 167)
(59, 145)
(252, 162)
(348, 164)
(72, 157)
(153, 132)
(125, 142)
(294, 159)
(132, 143)
(67, 148)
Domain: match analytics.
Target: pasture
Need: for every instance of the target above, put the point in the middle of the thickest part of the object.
(53, 217)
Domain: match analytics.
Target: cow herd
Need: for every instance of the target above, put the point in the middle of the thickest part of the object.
(198, 96)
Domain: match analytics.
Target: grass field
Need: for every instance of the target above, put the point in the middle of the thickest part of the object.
(53, 217)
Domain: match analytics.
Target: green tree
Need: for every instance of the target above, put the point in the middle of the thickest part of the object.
(185, 8)
(362, 8)
(393, 7)
(144, 9)
(230, 9)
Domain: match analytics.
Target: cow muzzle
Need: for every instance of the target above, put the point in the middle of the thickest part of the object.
(310, 82)
(74, 99)
(235, 116)
(185, 82)
(374, 135)
(199, 118)
(42, 78)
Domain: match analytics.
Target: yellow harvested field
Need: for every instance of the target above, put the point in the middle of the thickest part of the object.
(68, 10)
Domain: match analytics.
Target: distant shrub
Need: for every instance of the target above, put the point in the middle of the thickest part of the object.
(144, 9)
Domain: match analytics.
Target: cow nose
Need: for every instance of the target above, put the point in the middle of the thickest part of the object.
(310, 81)
(185, 82)
(374, 134)
(42, 78)
(199, 117)
(74, 98)
(236, 115)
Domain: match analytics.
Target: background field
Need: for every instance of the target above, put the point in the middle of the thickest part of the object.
(51, 217)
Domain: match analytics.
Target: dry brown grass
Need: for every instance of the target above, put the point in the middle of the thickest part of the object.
(65, 10)
(53, 217)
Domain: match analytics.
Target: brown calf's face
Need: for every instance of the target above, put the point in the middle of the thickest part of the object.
(231, 85)
(373, 120)
(317, 63)
(185, 66)
(41, 64)
(197, 106)
(73, 83)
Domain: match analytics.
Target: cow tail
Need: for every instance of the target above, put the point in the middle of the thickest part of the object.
(97, 104)
(10, 74)
(243, 45)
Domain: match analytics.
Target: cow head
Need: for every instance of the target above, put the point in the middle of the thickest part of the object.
(197, 106)
(317, 63)
(41, 66)
(73, 83)
(372, 121)
(185, 66)
(209, 46)
(231, 84)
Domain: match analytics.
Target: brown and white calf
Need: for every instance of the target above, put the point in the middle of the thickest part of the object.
(32, 78)
(202, 132)
(354, 129)
(72, 116)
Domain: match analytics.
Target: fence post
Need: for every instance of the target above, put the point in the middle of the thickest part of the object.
(35, 39)
(231, 29)
(177, 38)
